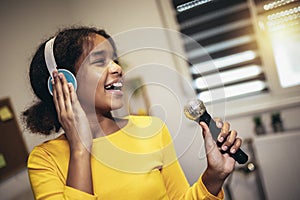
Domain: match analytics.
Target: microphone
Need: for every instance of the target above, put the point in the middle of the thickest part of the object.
(195, 110)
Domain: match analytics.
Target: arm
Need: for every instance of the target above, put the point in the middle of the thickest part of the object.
(76, 126)
(79, 173)
(178, 187)
(175, 181)
(64, 171)
(47, 172)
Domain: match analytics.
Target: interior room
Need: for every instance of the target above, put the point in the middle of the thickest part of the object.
(240, 57)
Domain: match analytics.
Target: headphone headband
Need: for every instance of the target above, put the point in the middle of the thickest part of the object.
(49, 56)
(51, 66)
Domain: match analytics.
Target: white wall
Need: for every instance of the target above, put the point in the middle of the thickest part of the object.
(25, 24)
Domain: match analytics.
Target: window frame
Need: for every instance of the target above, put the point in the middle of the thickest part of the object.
(277, 98)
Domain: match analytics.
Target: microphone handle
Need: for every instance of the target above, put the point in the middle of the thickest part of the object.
(240, 156)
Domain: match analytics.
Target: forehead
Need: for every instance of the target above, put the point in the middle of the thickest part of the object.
(101, 43)
(96, 44)
(102, 47)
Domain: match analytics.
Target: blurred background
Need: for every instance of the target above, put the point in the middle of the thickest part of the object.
(240, 57)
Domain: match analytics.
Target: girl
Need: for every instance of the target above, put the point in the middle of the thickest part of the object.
(99, 156)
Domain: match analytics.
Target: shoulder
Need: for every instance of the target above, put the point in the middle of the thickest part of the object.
(50, 157)
(50, 144)
(146, 126)
(145, 120)
(57, 147)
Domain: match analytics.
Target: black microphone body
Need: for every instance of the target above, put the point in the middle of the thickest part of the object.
(195, 110)
(240, 156)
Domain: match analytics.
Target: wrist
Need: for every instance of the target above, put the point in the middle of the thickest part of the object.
(78, 145)
(79, 151)
(212, 181)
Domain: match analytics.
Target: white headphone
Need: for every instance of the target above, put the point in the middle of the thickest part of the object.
(51, 66)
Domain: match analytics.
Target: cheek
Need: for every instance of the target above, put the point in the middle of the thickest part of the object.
(89, 84)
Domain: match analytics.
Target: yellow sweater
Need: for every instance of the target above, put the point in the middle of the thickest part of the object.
(136, 162)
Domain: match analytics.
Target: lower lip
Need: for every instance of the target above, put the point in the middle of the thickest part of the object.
(115, 92)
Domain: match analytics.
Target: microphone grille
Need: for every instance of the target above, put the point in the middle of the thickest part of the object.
(194, 109)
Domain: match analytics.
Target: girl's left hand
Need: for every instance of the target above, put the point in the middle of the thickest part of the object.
(220, 165)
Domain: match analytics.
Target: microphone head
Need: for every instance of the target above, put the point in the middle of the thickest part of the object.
(194, 109)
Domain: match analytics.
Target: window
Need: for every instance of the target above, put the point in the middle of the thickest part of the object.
(281, 21)
(224, 28)
(252, 45)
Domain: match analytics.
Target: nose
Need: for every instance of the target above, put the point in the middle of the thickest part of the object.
(114, 68)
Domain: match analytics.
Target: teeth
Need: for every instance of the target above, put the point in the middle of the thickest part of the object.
(114, 86)
(108, 87)
(118, 84)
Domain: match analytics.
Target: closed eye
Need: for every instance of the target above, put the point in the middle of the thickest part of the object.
(100, 62)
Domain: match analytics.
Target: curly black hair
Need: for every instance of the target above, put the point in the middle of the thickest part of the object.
(41, 117)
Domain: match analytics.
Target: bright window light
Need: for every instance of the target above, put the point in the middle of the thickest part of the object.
(223, 62)
(232, 91)
(284, 19)
(286, 51)
(221, 46)
(229, 76)
(276, 4)
(191, 4)
(217, 30)
(284, 13)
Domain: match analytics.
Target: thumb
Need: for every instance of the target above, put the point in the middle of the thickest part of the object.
(208, 139)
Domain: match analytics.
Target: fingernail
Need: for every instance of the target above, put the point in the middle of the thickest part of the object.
(233, 150)
(221, 139)
(224, 148)
(60, 76)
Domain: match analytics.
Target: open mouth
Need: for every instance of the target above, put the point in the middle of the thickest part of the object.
(114, 86)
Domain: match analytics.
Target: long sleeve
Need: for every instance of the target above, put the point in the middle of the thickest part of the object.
(47, 179)
(150, 170)
(176, 183)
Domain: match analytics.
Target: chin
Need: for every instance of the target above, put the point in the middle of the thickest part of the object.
(116, 107)
(117, 104)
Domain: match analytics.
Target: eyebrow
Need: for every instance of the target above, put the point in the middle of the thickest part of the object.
(104, 52)
(98, 53)
(94, 55)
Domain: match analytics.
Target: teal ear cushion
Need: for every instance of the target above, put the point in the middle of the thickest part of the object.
(69, 76)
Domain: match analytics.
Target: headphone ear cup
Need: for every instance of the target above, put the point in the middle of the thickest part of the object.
(69, 76)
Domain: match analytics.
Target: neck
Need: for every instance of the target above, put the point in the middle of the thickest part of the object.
(104, 124)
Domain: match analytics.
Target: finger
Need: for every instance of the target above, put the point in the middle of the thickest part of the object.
(59, 93)
(66, 92)
(65, 87)
(208, 139)
(73, 96)
(229, 140)
(219, 122)
(55, 92)
(237, 144)
(224, 132)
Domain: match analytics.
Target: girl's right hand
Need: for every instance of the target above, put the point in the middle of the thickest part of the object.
(70, 113)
